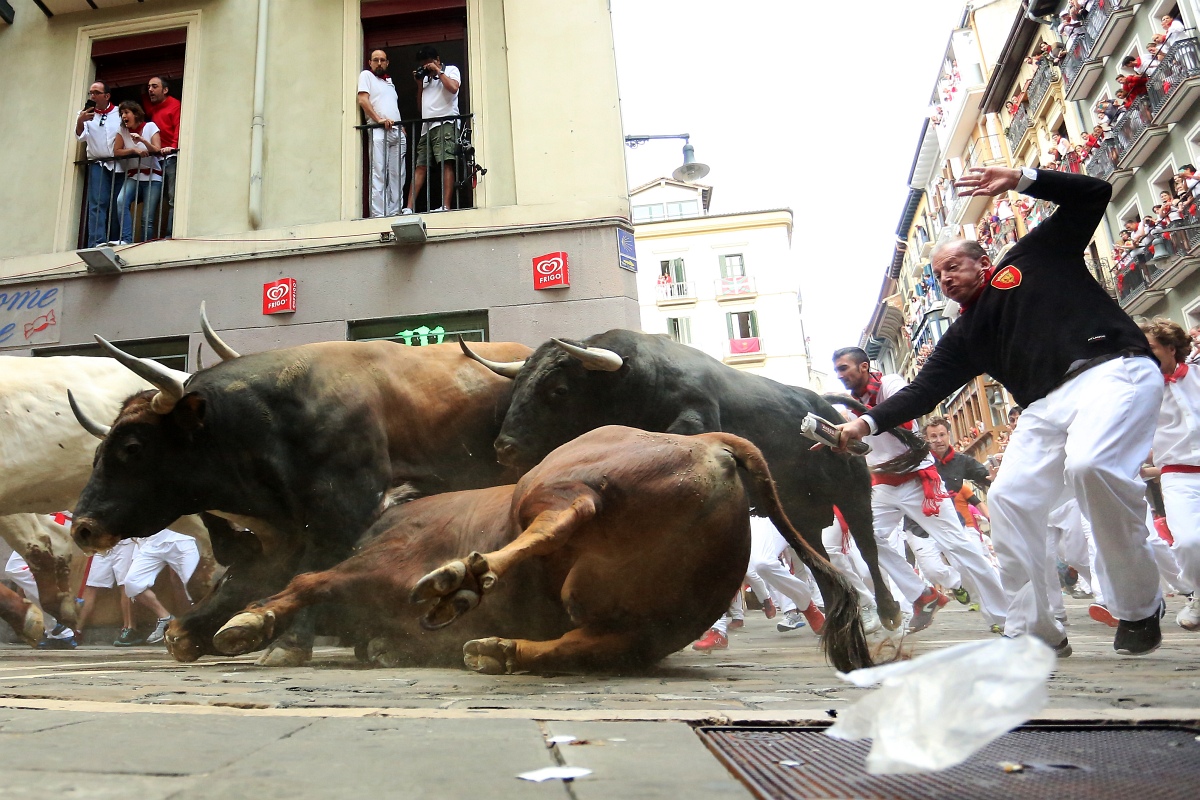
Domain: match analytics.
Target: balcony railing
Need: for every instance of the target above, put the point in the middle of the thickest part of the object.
(1076, 55)
(1100, 163)
(123, 200)
(675, 290)
(1130, 125)
(1103, 273)
(985, 148)
(1042, 78)
(1181, 62)
(1018, 126)
(734, 286)
(1097, 18)
(390, 158)
(748, 347)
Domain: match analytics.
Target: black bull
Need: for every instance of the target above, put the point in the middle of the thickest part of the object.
(647, 381)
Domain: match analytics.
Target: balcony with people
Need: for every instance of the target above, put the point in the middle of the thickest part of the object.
(1090, 31)
(1153, 253)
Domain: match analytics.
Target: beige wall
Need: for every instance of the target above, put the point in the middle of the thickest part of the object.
(543, 87)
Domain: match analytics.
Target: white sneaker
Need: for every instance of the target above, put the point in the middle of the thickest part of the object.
(436, 210)
(870, 619)
(160, 631)
(404, 211)
(1189, 616)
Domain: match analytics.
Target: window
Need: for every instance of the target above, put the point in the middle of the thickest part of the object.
(673, 269)
(733, 266)
(171, 352)
(742, 324)
(684, 208)
(679, 329)
(648, 213)
(422, 330)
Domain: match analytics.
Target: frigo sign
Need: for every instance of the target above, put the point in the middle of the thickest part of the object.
(30, 315)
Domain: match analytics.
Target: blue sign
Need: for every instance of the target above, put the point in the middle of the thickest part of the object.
(626, 252)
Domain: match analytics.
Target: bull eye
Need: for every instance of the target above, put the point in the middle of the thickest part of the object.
(558, 391)
(131, 448)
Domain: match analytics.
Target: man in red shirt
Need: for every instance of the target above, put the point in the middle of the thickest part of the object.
(163, 111)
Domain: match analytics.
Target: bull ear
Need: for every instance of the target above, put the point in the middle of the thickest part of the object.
(189, 412)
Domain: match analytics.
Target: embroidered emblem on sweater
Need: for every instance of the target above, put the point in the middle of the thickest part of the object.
(1007, 278)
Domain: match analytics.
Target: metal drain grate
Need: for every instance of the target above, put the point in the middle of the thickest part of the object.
(1062, 762)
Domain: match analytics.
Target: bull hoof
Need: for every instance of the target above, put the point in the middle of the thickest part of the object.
(439, 583)
(382, 652)
(892, 621)
(280, 656)
(35, 625)
(245, 632)
(449, 609)
(491, 656)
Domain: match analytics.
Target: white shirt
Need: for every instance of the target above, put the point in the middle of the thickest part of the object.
(381, 92)
(885, 446)
(1174, 34)
(436, 101)
(146, 162)
(1177, 437)
(99, 133)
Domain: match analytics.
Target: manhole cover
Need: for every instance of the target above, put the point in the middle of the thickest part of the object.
(1075, 762)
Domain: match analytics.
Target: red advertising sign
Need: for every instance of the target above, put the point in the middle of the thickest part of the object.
(279, 297)
(550, 271)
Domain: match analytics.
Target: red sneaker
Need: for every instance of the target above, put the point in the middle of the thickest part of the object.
(1101, 614)
(942, 599)
(816, 620)
(734, 624)
(769, 608)
(924, 608)
(713, 640)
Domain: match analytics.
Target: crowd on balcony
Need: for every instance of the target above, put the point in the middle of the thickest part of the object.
(1143, 239)
(947, 88)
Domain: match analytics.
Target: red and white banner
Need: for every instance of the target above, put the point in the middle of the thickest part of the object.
(550, 271)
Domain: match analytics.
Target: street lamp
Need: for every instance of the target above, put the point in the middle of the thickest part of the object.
(690, 170)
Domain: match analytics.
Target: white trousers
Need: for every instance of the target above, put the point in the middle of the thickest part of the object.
(929, 559)
(388, 149)
(766, 544)
(844, 555)
(1181, 496)
(182, 556)
(1092, 435)
(892, 503)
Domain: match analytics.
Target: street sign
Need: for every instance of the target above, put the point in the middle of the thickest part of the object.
(279, 297)
(626, 252)
(550, 271)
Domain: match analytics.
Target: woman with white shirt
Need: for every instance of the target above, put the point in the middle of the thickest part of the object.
(1177, 452)
(139, 146)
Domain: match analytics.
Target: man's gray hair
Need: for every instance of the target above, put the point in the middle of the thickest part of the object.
(968, 247)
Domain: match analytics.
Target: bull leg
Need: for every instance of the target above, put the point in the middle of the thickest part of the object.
(457, 586)
(578, 649)
(53, 577)
(24, 617)
(861, 521)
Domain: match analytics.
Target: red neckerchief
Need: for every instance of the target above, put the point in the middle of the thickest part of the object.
(138, 130)
(103, 111)
(987, 278)
(870, 395)
(1179, 372)
(949, 455)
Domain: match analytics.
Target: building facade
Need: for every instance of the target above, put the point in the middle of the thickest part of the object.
(272, 170)
(725, 284)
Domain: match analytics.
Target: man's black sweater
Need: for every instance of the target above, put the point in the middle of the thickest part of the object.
(1051, 314)
(957, 467)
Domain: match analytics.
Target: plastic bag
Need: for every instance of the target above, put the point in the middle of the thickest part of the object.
(937, 710)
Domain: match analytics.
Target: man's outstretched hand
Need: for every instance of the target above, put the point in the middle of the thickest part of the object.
(987, 181)
(849, 432)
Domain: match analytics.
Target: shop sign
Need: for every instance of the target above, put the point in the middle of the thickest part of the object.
(550, 271)
(279, 297)
(30, 315)
(626, 252)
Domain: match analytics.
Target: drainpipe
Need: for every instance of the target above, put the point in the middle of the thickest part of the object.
(258, 123)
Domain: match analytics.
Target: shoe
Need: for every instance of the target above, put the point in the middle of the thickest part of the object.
(973, 607)
(160, 631)
(924, 608)
(791, 621)
(1188, 617)
(1100, 614)
(870, 619)
(405, 211)
(1063, 649)
(769, 608)
(713, 640)
(1080, 594)
(943, 599)
(997, 628)
(734, 624)
(128, 638)
(1140, 637)
(53, 643)
(961, 595)
(815, 617)
(436, 210)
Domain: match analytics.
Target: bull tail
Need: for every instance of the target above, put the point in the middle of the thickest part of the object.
(918, 448)
(843, 641)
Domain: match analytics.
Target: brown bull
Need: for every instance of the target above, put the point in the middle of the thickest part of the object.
(24, 617)
(620, 548)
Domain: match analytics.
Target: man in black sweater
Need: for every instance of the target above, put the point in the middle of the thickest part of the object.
(1039, 323)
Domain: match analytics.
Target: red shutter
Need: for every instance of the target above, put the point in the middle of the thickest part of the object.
(133, 60)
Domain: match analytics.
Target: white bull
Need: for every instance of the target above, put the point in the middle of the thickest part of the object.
(46, 459)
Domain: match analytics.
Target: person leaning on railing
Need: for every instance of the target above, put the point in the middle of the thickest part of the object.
(164, 111)
(437, 94)
(139, 146)
(380, 105)
(97, 127)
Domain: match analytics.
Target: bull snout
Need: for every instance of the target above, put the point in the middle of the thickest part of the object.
(91, 537)
(506, 451)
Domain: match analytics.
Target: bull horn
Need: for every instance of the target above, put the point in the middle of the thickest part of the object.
(89, 425)
(169, 382)
(506, 369)
(223, 350)
(593, 358)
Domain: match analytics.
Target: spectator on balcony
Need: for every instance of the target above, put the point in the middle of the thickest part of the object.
(1190, 181)
(1124, 101)
(1069, 26)
(1170, 208)
(139, 146)
(1154, 56)
(1134, 86)
(437, 94)
(98, 126)
(379, 103)
(1110, 110)
(1173, 31)
(164, 110)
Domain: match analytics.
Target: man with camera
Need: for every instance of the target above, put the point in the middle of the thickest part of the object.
(97, 127)
(378, 101)
(437, 93)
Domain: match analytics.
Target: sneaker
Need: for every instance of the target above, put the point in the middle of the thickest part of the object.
(815, 617)
(713, 640)
(973, 607)
(943, 599)
(924, 608)
(1100, 614)
(961, 595)
(1189, 616)
(436, 210)
(1063, 649)
(870, 619)
(997, 628)
(54, 643)
(1140, 637)
(405, 211)
(1079, 594)
(160, 631)
(736, 623)
(128, 638)
(792, 621)
(769, 608)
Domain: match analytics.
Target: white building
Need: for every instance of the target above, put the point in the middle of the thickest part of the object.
(726, 284)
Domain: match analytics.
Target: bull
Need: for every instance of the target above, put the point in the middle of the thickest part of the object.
(304, 446)
(571, 551)
(23, 616)
(647, 381)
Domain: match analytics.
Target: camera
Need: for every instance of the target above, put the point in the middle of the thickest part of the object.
(90, 104)
(423, 72)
